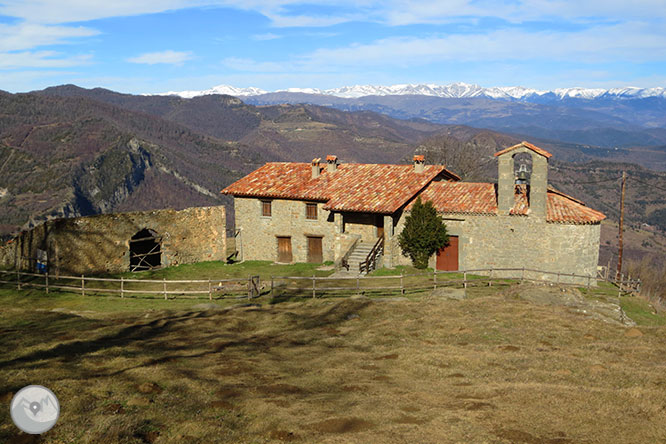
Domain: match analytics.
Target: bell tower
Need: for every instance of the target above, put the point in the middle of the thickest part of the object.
(506, 180)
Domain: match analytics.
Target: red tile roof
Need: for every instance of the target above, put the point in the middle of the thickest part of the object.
(527, 145)
(460, 197)
(373, 188)
(480, 198)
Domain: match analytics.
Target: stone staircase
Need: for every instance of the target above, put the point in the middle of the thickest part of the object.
(358, 255)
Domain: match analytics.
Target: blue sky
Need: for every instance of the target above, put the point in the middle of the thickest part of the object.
(170, 45)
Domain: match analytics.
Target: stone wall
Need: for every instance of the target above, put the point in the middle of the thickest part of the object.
(518, 241)
(100, 244)
(258, 234)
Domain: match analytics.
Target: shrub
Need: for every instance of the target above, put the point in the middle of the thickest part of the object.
(423, 235)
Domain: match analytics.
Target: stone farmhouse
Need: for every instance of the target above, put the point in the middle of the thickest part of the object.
(299, 212)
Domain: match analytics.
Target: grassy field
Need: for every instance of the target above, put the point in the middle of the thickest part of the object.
(492, 368)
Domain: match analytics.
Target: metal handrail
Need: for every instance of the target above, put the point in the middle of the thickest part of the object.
(370, 261)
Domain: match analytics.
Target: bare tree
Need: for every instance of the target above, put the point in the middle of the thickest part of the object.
(470, 160)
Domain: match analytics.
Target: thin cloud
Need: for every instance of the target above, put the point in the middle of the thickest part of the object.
(40, 59)
(264, 37)
(640, 43)
(168, 57)
(287, 13)
(597, 44)
(27, 35)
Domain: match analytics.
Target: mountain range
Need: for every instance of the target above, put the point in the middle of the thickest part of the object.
(615, 119)
(458, 90)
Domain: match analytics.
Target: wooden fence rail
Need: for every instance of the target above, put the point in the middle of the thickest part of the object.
(251, 287)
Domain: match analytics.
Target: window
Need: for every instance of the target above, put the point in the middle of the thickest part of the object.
(266, 208)
(311, 211)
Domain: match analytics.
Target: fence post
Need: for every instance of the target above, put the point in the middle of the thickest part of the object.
(589, 278)
(272, 287)
(434, 279)
(358, 285)
(83, 285)
(210, 291)
(46, 282)
(465, 280)
(249, 287)
(573, 277)
(490, 280)
(402, 283)
(18, 279)
(313, 286)
(164, 288)
(122, 287)
(522, 275)
(558, 277)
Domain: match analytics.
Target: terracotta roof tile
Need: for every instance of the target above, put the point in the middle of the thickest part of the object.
(527, 145)
(372, 188)
(480, 198)
(460, 197)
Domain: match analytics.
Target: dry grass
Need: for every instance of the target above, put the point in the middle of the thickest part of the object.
(487, 369)
(652, 273)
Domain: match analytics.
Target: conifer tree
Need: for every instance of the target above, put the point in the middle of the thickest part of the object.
(423, 235)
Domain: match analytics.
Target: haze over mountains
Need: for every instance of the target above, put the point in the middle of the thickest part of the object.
(615, 119)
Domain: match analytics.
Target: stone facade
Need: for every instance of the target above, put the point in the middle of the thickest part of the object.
(516, 242)
(100, 244)
(538, 182)
(258, 234)
(496, 226)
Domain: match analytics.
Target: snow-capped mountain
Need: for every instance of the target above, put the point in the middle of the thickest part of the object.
(220, 89)
(454, 90)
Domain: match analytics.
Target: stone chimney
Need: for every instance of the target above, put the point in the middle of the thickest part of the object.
(538, 187)
(419, 163)
(316, 170)
(331, 163)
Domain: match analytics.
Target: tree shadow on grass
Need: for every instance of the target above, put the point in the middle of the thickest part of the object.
(336, 313)
(122, 338)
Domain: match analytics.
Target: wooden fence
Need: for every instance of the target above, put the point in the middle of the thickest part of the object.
(236, 288)
(286, 286)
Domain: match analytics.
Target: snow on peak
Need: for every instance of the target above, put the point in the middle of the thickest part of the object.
(220, 89)
(453, 90)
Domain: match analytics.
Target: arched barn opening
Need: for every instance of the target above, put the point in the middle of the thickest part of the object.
(145, 252)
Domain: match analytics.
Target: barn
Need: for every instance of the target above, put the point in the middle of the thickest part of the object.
(118, 242)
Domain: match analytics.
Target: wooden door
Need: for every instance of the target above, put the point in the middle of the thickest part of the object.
(284, 249)
(315, 254)
(447, 257)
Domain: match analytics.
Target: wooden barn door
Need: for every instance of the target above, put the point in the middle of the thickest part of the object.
(315, 254)
(284, 249)
(447, 257)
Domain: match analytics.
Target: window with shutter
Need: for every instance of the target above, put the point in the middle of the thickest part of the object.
(311, 211)
(266, 208)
